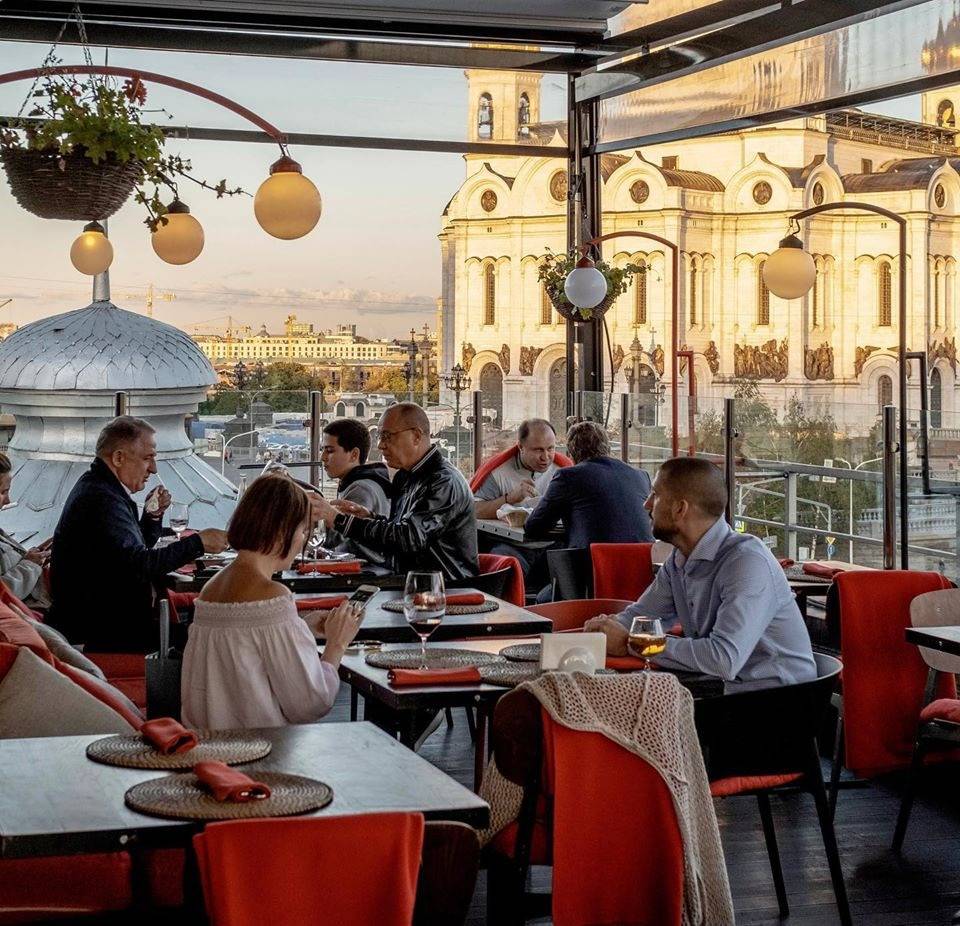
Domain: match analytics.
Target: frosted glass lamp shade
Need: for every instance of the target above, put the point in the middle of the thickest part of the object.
(577, 659)
(91, 253)
(585, 287)
(287, 205)
(180, 239)
(789, 272)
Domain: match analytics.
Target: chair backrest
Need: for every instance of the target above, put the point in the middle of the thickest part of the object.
(486, 468)
(572, 615)
(287, 872)
(765, 731)
(884, 677)
(621, 570)
(570, 573)
(617, 885)
(503, 572)
(937, 609)
(448, 875)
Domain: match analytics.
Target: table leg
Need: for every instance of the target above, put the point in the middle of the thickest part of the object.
(354, 702)
(480, 746)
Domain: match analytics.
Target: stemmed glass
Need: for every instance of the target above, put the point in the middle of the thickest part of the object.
(316, 539)
(424, 604)
(179, 517)
(646, 639)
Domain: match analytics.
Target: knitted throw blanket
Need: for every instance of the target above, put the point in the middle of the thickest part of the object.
(651, 715)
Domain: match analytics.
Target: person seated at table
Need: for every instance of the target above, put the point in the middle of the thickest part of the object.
(250, 659)
(346, 445)
(431, 525)
(21, 568)
(103, 563)
(739, 619)
(598, 499)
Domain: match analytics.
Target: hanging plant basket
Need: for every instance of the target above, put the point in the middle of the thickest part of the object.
(553, 272)
(566, 309)
(69, 186)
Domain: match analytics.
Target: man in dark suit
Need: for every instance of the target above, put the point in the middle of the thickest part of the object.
(103, 565)
(599, 499)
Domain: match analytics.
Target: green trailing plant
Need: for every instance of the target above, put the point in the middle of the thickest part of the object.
(553, 272)
(103, 122)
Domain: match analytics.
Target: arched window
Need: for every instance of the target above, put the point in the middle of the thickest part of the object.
(489, 295)
(816, 297)
(546, 306)
(884, 295)
(937, 309)
(485, 116)
(763, 297)
(936, 399)
(884, 391)
(693, 295)
(640, 296)
(523, 117)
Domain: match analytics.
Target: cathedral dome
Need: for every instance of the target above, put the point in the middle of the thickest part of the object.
(101, 347)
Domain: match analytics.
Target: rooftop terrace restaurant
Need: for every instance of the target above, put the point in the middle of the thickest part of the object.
(818, 375)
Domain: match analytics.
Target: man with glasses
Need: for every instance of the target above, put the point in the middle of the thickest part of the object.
(431, 525)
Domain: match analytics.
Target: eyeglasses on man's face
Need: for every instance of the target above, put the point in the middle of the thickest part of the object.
(387, 437)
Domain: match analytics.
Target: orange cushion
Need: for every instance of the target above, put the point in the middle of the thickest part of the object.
(8, 656)
(126, 672)
(103, 692)
(34, 888)
(726, 787)
(17, 630)
(941, 709)
(505, 842)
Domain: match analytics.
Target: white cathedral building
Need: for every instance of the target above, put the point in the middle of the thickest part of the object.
(725, 200)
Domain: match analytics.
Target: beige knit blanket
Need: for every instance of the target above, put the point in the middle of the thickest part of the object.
(651, 715)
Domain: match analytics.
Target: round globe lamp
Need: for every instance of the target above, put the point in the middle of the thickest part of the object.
(179, 240)
(287, 205)
(789, 272)
(91, 253)
(585, 286)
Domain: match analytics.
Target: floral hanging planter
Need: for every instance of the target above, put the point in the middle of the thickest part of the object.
(554, 269)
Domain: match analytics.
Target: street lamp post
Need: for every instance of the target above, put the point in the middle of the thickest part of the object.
(223, 449)
(411, 368)
(853, 469)
(675, 353)
(790, 273)
(458, 380)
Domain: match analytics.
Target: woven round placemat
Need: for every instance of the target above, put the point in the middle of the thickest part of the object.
(509, 674)
(522, 652)
(396, 606)
(130, 750)
(181, 797)
(436, 658)
(796, 574)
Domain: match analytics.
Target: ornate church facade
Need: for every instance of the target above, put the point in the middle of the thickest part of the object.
(725, 200)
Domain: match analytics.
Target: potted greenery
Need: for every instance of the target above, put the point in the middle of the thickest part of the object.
(554, 269)
(84, 148)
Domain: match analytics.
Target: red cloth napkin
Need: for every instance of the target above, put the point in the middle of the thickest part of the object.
(188, 570)
(818, 569)
(468, 676)
(320, 604)
(227, 784)
(466, 598)
(624, 663)
(333, 568)
(168, 736)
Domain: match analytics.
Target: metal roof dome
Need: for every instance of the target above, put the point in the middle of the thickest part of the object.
(101, 347)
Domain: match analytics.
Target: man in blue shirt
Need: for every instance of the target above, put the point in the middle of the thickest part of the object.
(730, 595)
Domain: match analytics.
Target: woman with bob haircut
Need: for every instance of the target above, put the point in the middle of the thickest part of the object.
(250, 659)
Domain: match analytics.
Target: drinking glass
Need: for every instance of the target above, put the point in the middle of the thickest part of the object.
(316, 539)
(646, 639)
(424, 604)
(179, 517)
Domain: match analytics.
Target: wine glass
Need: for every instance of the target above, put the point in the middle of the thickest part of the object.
(424, 604)
(179, 517)
(646, 639)
(316, 540)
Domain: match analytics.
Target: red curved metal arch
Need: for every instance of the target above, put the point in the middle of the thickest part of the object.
(145, 76)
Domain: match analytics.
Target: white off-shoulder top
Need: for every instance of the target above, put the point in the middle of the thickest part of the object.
(253, 664)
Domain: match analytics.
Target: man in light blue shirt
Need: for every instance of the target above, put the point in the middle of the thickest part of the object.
(739, 618)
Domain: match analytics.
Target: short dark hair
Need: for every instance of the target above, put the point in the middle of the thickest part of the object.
(523, 432)
(5, 464)
(350, 434)
(268, 515)
(120, 432)
(587, 440)
(696, 480)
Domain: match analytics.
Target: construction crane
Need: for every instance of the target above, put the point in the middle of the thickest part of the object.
(152, 295)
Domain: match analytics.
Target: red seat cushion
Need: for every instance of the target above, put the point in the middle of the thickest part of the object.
(727, 787)
(37, 888)
(941, 709)
(505, 842)
(125, 671)
(16, 630)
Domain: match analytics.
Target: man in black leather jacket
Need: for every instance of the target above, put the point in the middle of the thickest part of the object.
(103, 566)
(431, 525)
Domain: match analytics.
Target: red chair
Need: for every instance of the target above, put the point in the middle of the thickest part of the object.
(287, 872)
(557, 766)
(480, 476)
(572, 615)
(515, 592)
(883, 675)
(621, 570)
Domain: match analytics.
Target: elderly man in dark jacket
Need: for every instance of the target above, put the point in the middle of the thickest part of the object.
(103, 565)
(431, 525)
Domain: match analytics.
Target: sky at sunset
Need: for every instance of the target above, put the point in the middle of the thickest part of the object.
(374, 258)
